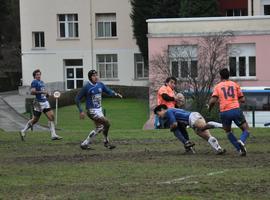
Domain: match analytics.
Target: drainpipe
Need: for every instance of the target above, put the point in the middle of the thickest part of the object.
(91, 35)
(252, 7)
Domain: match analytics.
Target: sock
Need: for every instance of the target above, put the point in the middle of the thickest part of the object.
(179, 136)
(27, 126)
(215, 124)
(214, 143)
(91, 135)
(233, 140)
(244, 136)
(52, 129)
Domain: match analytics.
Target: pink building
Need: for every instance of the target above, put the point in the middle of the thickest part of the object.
(248, 56)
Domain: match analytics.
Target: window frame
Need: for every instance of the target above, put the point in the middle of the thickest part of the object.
(113, 66)
(105, 18)
(41, 40)
(66, 23)
(74, 79)
(179, 67)
(145, 75)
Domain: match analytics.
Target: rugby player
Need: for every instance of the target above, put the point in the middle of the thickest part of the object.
(92, 91)
(40, 104)
(166, 95)
(228, 94)
(194, 119)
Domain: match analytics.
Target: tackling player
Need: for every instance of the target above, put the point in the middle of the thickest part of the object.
(229, 94)
(166, 95)
(92, 91)
(194, 119)
(40, 104)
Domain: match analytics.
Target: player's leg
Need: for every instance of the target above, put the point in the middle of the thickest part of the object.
(106, 126)
(226, 119)
(199, 124)
(241, 122)
(29, 124)
(50, 115)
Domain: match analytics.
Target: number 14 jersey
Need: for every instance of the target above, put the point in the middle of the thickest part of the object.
(228, 93)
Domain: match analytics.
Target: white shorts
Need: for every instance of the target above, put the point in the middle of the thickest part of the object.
(95, 113)
(193, 117)
(40, 106)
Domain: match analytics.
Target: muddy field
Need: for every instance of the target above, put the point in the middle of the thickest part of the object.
(139, 168)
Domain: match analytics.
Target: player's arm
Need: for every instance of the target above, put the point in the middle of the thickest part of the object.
(110, 92)
(166, 97)
(34, 91)
(172, 120)
(212, 102)
(241, 97)
(214, 98)
(78, 99)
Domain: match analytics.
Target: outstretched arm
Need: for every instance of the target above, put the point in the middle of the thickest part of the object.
(111, 92)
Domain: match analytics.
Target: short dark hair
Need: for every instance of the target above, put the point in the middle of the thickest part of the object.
(159, 108)
(224, 73)
(170, 78)
(35, 72)
(90, 73)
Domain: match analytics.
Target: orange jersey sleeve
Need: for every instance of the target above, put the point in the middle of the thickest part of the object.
(167, 90)
(228, 93)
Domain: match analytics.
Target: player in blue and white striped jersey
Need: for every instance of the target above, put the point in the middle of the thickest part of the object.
(92, 92)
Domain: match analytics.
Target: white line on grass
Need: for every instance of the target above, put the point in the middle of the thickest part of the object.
(178, 180)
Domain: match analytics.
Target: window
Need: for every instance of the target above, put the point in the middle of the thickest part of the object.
(107, 66)
(266, 9)
(73, 73)
(184, 61)
(184, 69)
(141, 71)
(242, 60)
(68, 25)
(106, 25)
(236, 12)
(38, 40)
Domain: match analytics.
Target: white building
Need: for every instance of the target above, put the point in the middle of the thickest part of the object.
(67, 38)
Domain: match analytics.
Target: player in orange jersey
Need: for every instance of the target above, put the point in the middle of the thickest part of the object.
(229, 94)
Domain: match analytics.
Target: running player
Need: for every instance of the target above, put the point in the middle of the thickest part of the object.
(193, 119)
(229, 94)
(41, 104)
(92, 91)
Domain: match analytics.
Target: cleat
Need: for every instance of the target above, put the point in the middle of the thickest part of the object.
(189, 144)
(190, 150)
(85, 147)
(108, 145)
(57, 138)
(221, 152)
(22, 134)
(243, 151)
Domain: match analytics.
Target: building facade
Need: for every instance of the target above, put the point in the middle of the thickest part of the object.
(67, 38)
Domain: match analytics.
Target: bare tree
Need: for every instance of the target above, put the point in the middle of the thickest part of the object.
(195, 66)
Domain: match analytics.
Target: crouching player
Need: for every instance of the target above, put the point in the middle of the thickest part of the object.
(92, 91)
(193, 119)
(41, 104)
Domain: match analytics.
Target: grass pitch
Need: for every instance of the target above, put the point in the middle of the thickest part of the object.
(145, 165)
